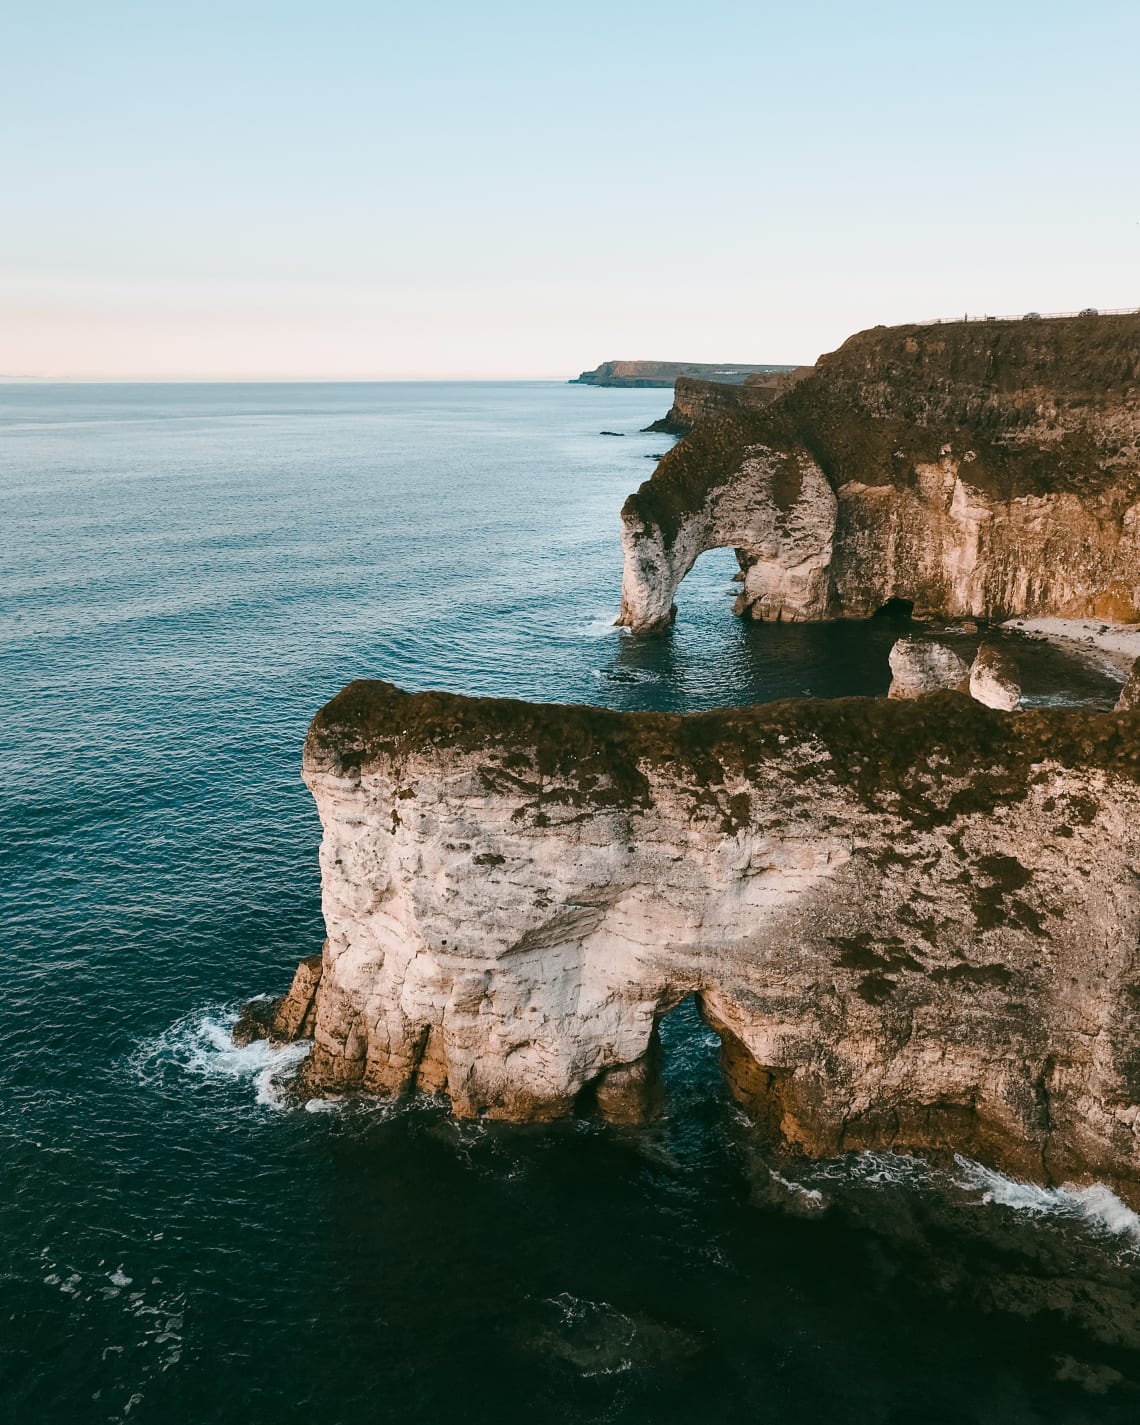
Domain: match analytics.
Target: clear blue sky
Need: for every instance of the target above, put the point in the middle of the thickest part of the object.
(502, 189)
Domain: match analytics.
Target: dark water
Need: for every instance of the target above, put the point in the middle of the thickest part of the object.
(187, 574)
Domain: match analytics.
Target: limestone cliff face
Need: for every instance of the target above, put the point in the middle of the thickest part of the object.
(697, 400)
(911, 923)
(984, 469)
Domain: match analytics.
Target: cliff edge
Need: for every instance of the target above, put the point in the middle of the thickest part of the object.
(912, 924)
(983, 469)
(696, 400)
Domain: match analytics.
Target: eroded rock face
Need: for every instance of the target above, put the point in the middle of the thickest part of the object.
(975, 470)
(922, 665)
(697, 400)
(780, 512)
(994, 678)
(912, 923)
(1129, 700)
(291, 1016)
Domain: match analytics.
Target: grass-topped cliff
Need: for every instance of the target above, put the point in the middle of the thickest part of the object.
(913, 925)
(918, 757)
(1046, 405)
(939, 444)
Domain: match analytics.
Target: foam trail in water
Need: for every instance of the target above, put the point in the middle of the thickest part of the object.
(201, 1044)
(1097, 1207)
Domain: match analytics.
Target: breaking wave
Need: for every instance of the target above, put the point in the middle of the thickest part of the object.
(200, 1045)
(1097, 1208)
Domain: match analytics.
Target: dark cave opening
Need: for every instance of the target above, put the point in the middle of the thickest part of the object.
(901, 610)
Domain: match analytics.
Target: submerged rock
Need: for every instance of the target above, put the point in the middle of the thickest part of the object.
(912, 924)
(994, 678)
(921, 665)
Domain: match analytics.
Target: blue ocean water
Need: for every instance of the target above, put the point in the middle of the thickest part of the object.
(186, 574)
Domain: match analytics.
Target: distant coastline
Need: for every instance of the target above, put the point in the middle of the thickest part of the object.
(665, 373)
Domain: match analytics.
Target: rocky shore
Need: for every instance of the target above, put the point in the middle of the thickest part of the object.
(1113, 647)
(912, 923)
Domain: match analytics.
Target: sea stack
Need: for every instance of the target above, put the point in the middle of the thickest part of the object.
(923, 665)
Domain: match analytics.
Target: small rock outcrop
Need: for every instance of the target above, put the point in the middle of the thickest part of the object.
(291, 1016)
(994, 679)
(1129, 700)
(986, 470)
(921, 665)
(913, 924)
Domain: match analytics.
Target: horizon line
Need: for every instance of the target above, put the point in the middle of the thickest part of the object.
(93, 380)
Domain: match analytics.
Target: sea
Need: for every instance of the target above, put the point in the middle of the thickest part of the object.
(187, 573)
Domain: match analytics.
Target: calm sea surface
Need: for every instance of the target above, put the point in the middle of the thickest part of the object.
(186, 574)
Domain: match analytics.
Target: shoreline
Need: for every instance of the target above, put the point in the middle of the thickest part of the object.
(1109, 647)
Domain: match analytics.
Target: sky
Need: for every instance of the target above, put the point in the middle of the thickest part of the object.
(351, 190)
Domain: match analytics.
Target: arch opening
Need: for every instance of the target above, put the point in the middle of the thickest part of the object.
(714, 576)
(683, 1072)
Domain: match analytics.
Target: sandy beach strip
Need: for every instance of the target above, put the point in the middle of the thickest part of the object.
(1112, 647)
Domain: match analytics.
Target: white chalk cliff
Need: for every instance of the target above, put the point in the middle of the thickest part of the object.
(972, 470)
(912, 923)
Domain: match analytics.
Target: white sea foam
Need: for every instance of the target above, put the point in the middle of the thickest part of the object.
(879, 1169)
(201, 1044)
(1096, 1208)
(811, 1197)
(601, 626)
(157, 1310)
(324, 1105)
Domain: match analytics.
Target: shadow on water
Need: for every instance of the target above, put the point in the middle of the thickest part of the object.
(682, 1272)
(712, 658)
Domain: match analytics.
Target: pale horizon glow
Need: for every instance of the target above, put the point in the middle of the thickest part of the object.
(360, 192)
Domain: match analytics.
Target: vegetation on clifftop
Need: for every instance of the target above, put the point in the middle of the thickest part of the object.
(1042, 406)
(930, 759)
